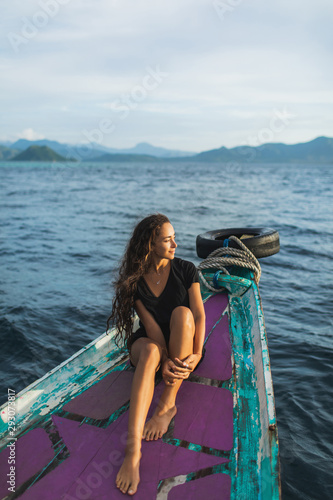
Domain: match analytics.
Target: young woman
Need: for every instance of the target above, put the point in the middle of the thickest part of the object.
(165, 293)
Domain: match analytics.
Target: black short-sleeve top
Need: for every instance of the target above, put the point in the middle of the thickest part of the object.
(182, 274)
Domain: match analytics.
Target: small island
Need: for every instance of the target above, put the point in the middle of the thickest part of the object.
(39, 153)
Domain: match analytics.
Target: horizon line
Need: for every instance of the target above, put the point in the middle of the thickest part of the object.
(160, 147)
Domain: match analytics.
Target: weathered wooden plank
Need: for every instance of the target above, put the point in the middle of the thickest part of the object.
(223, 437)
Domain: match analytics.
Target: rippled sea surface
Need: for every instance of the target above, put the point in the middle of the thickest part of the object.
(64, 228)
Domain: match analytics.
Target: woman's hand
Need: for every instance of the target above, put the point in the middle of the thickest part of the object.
(188, 363)
(172, 371)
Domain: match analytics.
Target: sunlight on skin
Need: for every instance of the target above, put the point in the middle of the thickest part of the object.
(128, 476)
(157, 426)
(147, 355)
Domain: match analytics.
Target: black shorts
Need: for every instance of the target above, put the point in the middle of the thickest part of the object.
(138, 334)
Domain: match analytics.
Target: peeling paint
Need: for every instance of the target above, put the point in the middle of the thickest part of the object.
(253, 461)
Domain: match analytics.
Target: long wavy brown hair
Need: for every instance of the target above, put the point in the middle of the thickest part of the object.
(135, 263)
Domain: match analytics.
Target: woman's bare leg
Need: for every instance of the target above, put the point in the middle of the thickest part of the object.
(182, 329)
(146, 356)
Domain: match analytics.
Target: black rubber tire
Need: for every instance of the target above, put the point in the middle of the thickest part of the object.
(262, 242)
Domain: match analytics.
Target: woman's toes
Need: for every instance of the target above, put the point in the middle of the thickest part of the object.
(133, 488)
(121, 486)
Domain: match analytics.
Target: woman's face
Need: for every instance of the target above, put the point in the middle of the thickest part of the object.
(165, 245)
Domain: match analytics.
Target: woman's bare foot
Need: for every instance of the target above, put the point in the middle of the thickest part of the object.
(128, 476)
(159, 423)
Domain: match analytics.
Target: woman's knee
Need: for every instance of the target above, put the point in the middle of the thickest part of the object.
(150, 353)
(182, 315)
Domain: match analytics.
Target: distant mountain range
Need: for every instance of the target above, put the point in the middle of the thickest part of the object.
(86, 152)
(319, 150)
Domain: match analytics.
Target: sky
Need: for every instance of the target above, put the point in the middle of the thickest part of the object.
(191, 75)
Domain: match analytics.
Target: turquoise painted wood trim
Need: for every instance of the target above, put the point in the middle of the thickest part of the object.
(233, 284)
(254, 466)
(256, 473)
(63, 383)
(245, 479)
(270, 466)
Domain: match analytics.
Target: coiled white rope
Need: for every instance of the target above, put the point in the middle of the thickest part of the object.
(227, 256)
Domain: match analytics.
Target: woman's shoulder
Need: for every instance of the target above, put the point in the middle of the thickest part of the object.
(186, 271)
(141, 289)
(183, 265)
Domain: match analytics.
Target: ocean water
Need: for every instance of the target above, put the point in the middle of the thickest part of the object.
(63, 229)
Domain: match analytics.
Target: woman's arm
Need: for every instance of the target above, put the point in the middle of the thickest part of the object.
(198, 311)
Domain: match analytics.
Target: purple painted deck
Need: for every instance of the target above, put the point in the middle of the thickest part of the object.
(113, 391)
(190, 462)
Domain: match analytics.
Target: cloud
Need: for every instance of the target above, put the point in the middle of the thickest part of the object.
(30, 135)
(222, 71)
